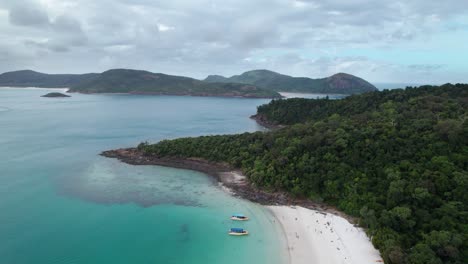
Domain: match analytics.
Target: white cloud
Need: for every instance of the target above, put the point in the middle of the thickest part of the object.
(164, 28)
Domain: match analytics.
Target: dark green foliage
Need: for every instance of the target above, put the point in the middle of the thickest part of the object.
(397, 159)
(340, 83)
(298, 110)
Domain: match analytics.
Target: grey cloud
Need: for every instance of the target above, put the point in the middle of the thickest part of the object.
(202, 37)
(46, 46)
(28, 13)
(66, 24)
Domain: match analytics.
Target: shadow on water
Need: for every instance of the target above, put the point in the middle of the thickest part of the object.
(111, 182)
(184, 233)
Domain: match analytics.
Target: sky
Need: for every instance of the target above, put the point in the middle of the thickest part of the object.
(411, 41)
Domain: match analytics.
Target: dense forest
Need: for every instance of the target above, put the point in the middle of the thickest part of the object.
(396, 159)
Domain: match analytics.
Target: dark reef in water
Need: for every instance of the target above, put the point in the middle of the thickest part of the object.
(237, 183)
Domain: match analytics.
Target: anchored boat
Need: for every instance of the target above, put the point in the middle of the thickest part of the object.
(238, 232)
(239, 217)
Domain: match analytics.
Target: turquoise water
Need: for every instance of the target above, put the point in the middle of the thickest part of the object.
(63, 203)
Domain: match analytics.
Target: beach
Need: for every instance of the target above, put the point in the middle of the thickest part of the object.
(317, 237)
(316, 234)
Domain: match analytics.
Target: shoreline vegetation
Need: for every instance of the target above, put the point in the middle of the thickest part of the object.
(231, 178)
(395, 160)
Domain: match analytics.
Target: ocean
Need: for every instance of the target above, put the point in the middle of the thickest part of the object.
(63, 203)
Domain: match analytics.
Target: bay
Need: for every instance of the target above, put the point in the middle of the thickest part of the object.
(63, 203)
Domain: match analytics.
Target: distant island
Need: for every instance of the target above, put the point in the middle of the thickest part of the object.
(55, 94)
(144, 82)
(252, 84)
(133, 82)
(28, 78)
(340, 83)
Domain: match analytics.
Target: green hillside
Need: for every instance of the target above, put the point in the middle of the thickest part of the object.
(395, 159)
(144, 82)
(340, 83)
(132, 81)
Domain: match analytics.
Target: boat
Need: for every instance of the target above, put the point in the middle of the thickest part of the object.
(239, 217)
(238, 232)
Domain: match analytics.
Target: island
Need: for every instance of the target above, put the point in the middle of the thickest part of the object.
(251, 84)
(133, 82)
(55, 95)
(144, 82)
(340, 83)
(30, 78)
(393, 162)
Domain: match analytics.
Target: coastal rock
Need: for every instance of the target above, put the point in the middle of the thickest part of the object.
(263, 121)
(55, 95)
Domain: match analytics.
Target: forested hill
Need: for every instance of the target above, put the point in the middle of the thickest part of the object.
(144, 82)
(396, 159)
(133, 81)
(340, 83)
(299, 110)
(28, 78)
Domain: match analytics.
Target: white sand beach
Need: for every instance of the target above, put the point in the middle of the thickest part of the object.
(323, 238)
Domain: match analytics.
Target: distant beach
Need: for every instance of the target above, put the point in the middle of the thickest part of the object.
(312, 95)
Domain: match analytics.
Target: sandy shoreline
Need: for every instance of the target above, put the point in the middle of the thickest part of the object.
(317, 237)
(314, 233)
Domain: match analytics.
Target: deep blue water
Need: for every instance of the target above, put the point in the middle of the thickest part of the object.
(63, 203)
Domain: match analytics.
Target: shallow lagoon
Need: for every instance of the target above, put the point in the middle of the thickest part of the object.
(63, 203)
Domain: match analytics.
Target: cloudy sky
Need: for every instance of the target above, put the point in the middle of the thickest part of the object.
(414, 41)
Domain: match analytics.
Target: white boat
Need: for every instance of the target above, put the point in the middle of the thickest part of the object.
(239, 217)
(238, 232)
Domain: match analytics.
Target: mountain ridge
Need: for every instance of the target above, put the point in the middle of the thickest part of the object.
(339, 83)
(255, 83)
(30, 78)
(134, 82)
(145, 82)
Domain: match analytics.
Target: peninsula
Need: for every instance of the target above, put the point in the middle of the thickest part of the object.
(394, 160)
